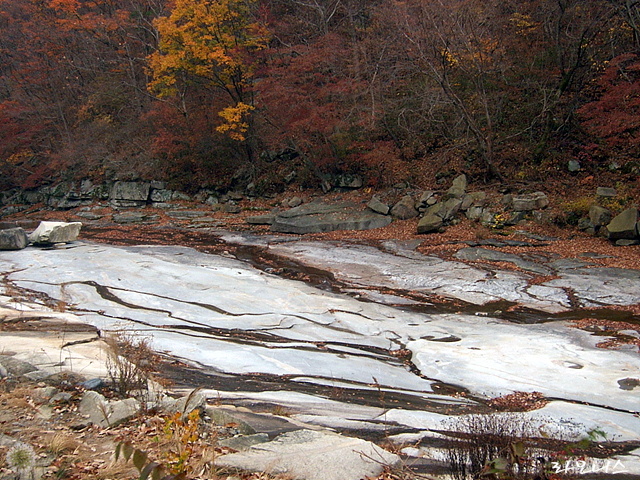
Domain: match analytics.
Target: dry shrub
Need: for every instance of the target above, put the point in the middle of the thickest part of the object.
(62, 443)
(485, 439)
(129, 362)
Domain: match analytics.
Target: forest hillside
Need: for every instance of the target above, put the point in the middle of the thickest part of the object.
(266, 93)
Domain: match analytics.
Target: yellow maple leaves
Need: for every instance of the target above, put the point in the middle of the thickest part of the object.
(235, 124)
(209, 42)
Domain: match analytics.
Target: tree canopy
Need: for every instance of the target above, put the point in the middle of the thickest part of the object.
(192, 90)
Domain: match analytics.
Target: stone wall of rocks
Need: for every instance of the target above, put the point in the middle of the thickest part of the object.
(437, 211)
(118, 194)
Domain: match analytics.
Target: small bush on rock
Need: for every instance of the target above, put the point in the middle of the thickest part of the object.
(129, 362)
(492, 444)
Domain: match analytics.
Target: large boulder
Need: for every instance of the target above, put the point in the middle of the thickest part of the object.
(599, 216)
(13, 239)
(405, 208)
(458, 188)
(49, 233)
(105, 413)
(530, 202)
(624, 225)
(378, 206)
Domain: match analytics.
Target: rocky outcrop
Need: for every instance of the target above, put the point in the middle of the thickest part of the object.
(130, 194)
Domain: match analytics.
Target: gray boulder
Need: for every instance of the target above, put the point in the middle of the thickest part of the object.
(430, 223)
(458, 188)
(450, 207)
(606, 192)
(13, 239)
(624, 225)
(529, 202)
(49, 233)
(427, 199)
(404, 209)
(106, 413)
(313, 455)
(378, 206)
(599, 216)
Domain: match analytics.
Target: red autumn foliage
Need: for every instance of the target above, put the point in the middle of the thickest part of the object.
(307, 96)
(376, 87)
(615, 114)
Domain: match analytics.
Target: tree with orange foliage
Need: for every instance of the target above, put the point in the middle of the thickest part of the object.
(210, 44)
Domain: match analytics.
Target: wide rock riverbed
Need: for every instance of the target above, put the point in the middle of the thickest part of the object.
(367, 358)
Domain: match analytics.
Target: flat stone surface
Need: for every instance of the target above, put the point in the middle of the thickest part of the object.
(368, 266)
(312, 455)
(477, 253)
(135, 217)
(328, 222)
(244, 442)
(186, 214)
(317, 208)
(266, 219)
(224, 316)
(251, 423)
